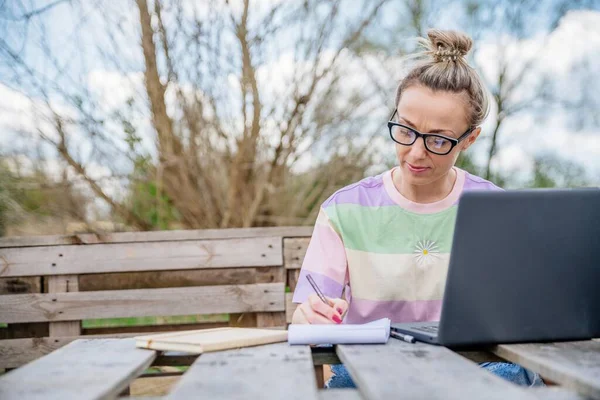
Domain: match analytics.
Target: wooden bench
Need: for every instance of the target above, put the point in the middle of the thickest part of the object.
(50, 284)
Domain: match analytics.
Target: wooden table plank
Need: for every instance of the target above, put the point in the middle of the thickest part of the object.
(16, 352)
(421, 371)
(339, 394)
(574, 365)
(83, 369)
(273, 371)
(555, 393)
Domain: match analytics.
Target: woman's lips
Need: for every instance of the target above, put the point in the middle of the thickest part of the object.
(416, 169)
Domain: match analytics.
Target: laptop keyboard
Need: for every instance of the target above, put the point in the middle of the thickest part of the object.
(427, 328)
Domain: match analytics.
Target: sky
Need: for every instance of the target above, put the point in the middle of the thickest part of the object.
(575, 40)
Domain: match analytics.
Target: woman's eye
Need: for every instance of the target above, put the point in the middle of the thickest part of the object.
(439, 142)
(403, 135)
(398, 130)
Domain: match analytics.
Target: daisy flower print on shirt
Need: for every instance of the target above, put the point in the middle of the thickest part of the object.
(426, 252)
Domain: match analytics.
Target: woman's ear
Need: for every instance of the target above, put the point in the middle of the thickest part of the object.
(471, 138)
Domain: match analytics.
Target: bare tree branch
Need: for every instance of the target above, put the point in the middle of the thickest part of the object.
(26, 16)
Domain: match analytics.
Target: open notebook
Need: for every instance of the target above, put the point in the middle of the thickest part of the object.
(373, 332)
(206, 340)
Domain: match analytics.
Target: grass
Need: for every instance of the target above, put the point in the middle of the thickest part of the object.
(137, 321)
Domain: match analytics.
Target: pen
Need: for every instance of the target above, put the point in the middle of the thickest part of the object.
(316, 289)
(402, 336)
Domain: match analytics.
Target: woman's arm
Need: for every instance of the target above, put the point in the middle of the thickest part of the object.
(326, 262)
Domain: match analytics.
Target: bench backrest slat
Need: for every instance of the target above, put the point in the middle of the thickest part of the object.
(152, 256)
(53, 307)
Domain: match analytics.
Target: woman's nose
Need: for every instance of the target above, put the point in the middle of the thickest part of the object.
(418, 148)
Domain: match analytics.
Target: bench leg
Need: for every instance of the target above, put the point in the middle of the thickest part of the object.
(319, 376)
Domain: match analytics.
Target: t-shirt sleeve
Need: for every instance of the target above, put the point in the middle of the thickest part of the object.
(473, 182)
(325, 261)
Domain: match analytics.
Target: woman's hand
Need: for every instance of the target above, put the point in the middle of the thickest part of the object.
(314, 311)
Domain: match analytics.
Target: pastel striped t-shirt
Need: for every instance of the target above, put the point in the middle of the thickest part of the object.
(387, 254)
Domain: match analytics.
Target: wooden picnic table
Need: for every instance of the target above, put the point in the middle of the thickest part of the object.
(103, 368)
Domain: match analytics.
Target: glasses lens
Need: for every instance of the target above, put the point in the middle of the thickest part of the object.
(438, 145)
(403, 135)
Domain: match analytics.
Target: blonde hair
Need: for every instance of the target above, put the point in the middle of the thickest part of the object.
(442, 66)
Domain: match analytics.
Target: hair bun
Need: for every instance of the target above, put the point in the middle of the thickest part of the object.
(441, 65)
(448, 45)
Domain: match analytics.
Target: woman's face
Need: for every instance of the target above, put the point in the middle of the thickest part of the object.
(431, 112)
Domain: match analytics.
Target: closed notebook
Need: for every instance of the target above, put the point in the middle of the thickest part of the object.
(373, 332)
(207, 340)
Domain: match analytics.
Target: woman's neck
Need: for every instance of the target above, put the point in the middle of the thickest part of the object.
(429, 193)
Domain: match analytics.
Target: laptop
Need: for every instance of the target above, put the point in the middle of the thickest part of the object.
(524, 267)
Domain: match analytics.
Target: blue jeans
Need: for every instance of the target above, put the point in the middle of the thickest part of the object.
(511, 372)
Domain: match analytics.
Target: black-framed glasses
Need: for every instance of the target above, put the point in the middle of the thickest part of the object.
(434, 143)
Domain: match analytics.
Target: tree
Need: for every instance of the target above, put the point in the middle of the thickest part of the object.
(27, 191)
(550, 171)
(236, 113)
(221, 158)
(517, 86)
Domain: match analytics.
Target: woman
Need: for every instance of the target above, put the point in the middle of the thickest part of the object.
(383, 243)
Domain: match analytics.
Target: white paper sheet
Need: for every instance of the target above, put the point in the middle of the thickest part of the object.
(373, 332)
